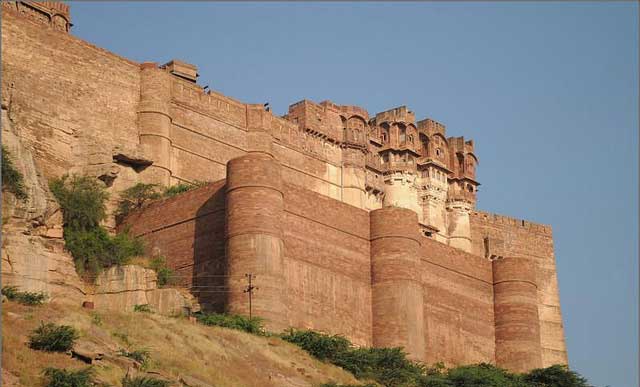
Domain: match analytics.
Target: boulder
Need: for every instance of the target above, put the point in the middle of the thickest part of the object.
(87, 351)
(122, 288)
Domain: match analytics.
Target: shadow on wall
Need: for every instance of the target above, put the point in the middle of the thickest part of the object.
(209, 283)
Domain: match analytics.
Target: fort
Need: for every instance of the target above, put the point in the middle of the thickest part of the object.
(364, 226)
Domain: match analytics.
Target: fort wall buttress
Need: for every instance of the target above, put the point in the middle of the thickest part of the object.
(254, 240)
(494, 236)
(396, 289)
(516, 314)
(154, 123)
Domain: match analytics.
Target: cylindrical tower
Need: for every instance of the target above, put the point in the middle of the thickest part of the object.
(518, 347)
(400, 189)
(154, 123)
(459, 224)
(397, 295)
(254, 243)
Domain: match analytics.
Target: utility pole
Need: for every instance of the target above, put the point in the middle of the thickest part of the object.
(249, 289)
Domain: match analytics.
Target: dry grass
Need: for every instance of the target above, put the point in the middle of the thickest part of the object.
(219, 356)
(17, 358)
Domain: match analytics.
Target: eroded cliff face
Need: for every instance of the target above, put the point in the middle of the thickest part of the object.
(33, 255)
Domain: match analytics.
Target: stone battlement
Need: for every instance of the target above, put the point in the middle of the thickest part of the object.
(514, 222)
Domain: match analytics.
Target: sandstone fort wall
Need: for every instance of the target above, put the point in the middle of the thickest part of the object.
(496, 235)
(330, 276)
(296, 200)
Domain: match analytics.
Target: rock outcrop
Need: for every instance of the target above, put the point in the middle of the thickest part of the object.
(121, 288)
(39, 264)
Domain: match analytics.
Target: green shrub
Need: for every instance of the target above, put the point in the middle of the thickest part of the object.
(178, 189)
(391, 368)
(144, 381)
(139, 195)
(136, 197)
(143, 308)
(142, 356)
(319, 345)
(26, 298)
(332, 384)
(12, 179)
(388, 366)
(165, 275)
(95, 249)
(57, 377)
(53, 338)
(82, 200)
(232, 321)
(481, 375)
(11, 292)
(183, 187)
(555, 376)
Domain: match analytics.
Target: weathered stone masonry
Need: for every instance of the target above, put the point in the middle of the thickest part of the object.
(358, 225)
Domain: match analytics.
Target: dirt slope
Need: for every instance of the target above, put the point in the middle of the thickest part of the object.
(179, 349)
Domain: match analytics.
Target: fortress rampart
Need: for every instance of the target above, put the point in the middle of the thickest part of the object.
(357, 224)
(330, 266)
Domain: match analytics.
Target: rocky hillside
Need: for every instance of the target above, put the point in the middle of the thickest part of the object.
(185, 352)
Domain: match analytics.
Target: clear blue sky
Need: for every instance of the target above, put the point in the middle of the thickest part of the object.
(549, 92)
